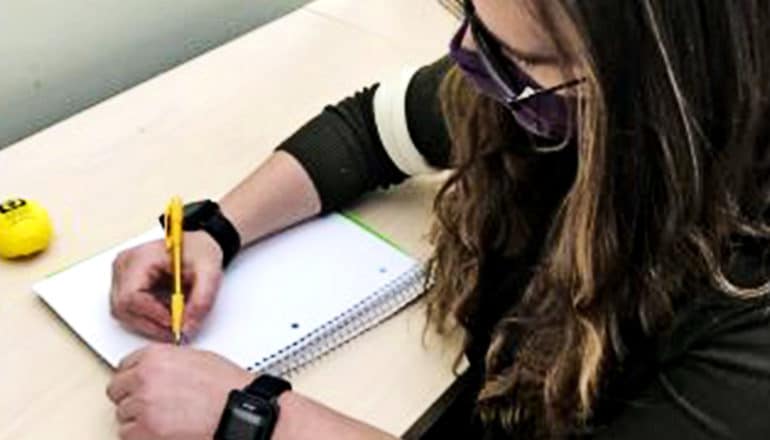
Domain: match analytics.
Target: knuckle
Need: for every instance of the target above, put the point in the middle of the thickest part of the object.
(118, 313)
(120, 412)
(139, 407)
(123, 303)
(202, 305)
(122, 258)
(112, 389)
(215, 273)
(191, 328)
(118, 261)
(217, 277)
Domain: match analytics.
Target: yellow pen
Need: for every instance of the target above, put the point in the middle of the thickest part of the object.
(173, 228)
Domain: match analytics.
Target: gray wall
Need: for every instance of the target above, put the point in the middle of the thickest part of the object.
(58, 57)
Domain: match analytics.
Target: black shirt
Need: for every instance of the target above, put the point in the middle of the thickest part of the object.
(708, 378)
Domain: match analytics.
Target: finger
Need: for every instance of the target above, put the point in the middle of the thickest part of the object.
(147, 306)
(122, 386)
(147, 327)
(138, 268)
(133, 430)
(132, 359)
(136, 271)
(129, 409)
(205, 286)
(114, 291)
(140, 306)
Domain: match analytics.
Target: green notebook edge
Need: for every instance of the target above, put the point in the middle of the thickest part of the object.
(355, 218)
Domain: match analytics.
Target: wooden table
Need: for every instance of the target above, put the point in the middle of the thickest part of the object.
(197, 130)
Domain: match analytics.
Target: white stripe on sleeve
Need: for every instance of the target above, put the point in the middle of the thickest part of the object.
(390, 116)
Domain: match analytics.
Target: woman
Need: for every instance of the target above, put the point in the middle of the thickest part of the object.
(602, 240)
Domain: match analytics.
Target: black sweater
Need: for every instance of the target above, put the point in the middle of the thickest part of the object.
(711, 379)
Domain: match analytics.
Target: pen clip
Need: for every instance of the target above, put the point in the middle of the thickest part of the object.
(167, 227)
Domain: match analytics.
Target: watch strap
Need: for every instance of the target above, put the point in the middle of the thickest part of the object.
(225, 234)
(209, 217)
(268, 387)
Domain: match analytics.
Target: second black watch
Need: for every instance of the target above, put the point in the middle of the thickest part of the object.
(252, 414)
(207, 216)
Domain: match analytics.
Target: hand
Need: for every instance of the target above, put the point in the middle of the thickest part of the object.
(167, 392)
(141, 285)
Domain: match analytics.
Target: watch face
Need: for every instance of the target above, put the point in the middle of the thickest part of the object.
(246, 417)
(245, 425)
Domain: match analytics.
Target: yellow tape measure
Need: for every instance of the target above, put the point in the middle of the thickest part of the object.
(25, 228)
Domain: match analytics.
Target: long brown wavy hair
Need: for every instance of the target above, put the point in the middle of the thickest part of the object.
(668, 174)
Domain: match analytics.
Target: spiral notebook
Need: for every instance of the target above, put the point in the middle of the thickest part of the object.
(284, 302)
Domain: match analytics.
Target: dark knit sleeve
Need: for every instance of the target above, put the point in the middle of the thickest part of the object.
(341, 149)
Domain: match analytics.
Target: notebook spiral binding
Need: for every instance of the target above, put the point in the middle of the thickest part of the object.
(361, 317)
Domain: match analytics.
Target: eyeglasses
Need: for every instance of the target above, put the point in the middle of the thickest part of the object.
(517, 86)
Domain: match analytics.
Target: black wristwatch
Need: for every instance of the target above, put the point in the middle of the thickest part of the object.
(252, 414)
(206, 215)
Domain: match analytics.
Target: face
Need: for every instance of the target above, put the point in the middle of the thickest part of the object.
(524, 42)
(503, 49)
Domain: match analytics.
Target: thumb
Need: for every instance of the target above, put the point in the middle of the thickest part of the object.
(205, 286)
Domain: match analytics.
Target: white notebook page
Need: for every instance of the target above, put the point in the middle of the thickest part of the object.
(273, 293)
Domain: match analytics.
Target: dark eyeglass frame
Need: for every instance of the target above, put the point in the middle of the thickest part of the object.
(498, 65)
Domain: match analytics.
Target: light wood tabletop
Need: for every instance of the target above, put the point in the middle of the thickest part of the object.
(196, 130)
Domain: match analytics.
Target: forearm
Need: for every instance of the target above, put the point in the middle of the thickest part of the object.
(302, 418)
(339, 155)
(275, 196)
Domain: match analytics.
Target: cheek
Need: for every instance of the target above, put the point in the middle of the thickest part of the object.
(467, 41)
(549, 75)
